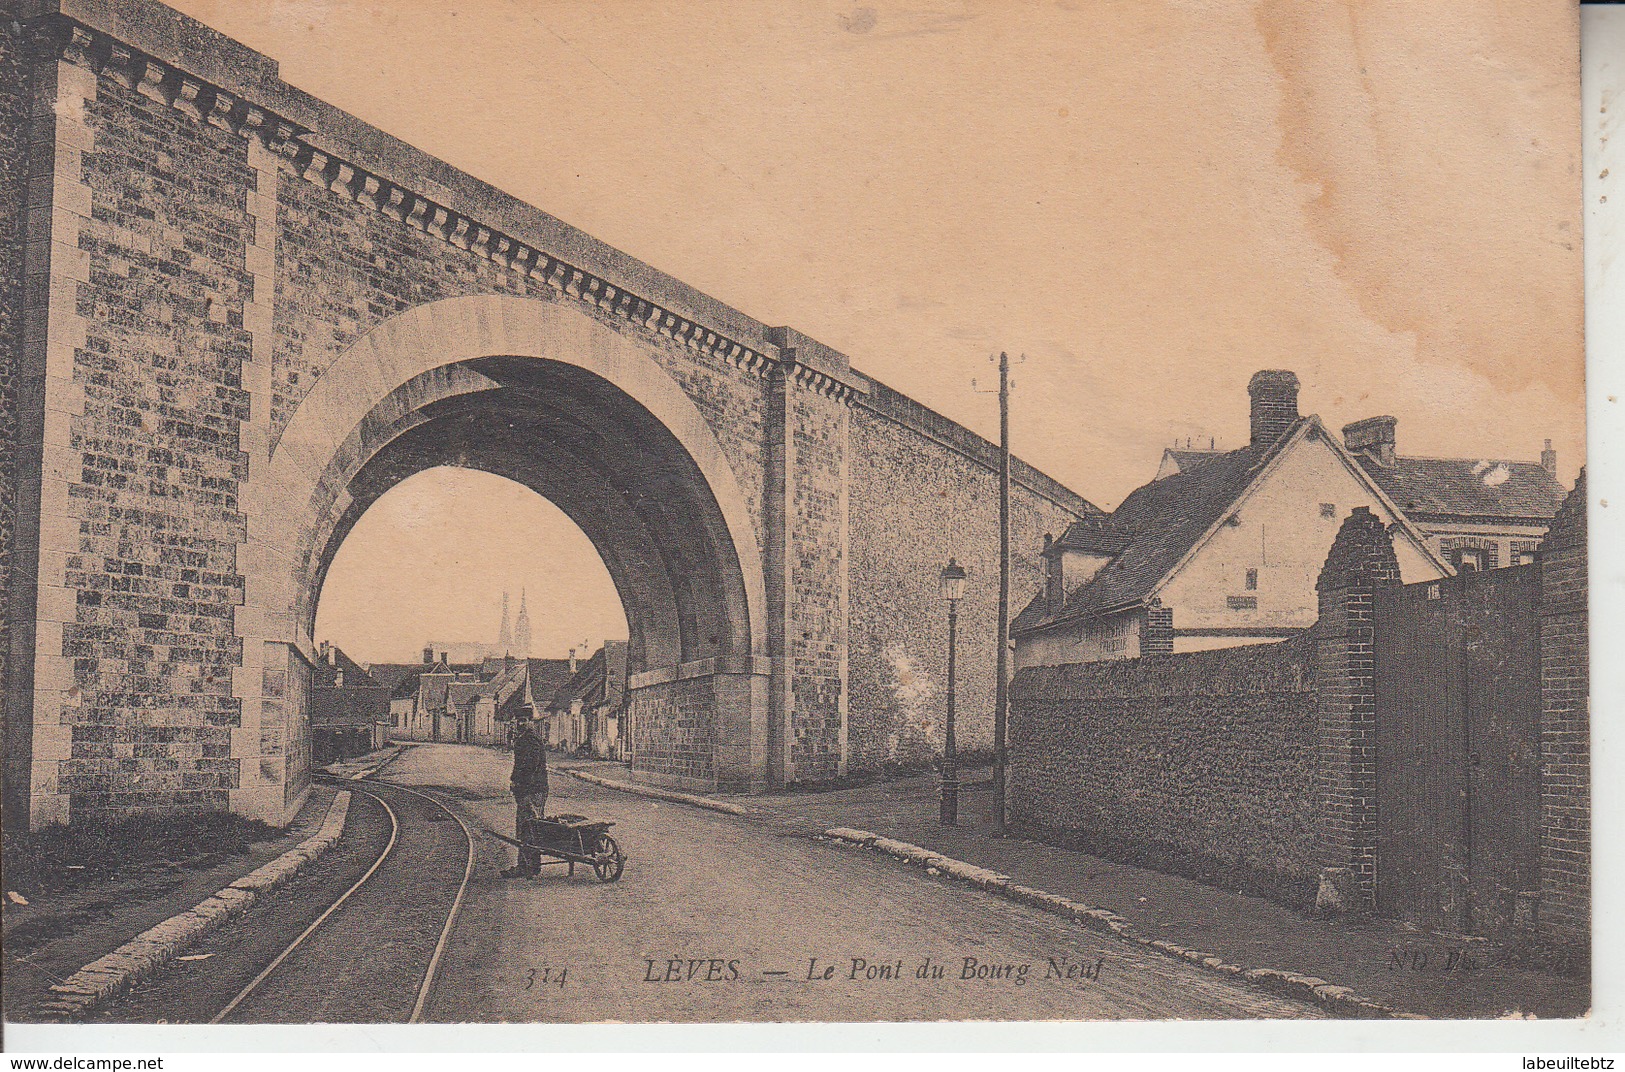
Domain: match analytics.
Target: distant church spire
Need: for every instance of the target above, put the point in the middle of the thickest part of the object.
(521, 633)
(505, 636)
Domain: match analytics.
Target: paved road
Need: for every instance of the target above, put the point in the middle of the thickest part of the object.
(711, 905)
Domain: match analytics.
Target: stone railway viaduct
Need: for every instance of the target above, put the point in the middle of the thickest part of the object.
(232, 316)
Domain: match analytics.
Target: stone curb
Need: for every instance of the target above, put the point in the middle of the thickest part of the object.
(726, 807)
(368, 772)
(155, 948)
(1339, 999)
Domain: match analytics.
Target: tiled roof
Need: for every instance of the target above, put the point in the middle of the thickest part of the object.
(1190, 459)
(1163, 520)
(390, 675)
(459, 693)
(326, 674)
(1468, 486)
(546, 675)
(509, 682)
(1095, 534)
(587, 685)
(406, 685)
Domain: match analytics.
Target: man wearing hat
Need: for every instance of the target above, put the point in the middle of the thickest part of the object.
(529, 784)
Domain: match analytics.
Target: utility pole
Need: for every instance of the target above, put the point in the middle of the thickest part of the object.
(1001, 695)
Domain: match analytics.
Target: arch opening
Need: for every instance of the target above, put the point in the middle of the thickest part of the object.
(586, 447)
(446, 557)
(579, 414)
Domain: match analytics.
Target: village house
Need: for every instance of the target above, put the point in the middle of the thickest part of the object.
(1478, 513)
(469, 703)
(349, 710)
(1222, 549)
(418, 698)
(587, 712)
(544, 679)
(480, 708)
(403, 705)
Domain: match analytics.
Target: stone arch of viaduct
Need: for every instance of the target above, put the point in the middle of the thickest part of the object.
(232, 316)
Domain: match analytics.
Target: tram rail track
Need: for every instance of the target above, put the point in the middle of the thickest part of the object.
(360, 937)
(370, 921)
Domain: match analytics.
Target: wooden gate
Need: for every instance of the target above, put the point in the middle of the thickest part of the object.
(1458, 748)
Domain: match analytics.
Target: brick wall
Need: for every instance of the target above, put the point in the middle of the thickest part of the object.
(675, 729)
(922, 490)
(1201, 762)
(1564, 912)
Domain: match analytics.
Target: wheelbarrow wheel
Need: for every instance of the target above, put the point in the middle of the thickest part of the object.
(607, 861)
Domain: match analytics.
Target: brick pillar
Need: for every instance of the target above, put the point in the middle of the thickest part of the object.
(1564, 912)
(1361, 561)
(1157, 635)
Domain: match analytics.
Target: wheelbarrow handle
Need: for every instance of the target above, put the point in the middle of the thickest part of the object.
(517, 843)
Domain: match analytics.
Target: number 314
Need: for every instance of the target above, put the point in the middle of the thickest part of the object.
(546, 977)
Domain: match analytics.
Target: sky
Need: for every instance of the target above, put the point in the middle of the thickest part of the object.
(1149, 201)
(447, 569)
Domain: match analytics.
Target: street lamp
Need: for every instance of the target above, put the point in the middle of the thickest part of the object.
(953, 590)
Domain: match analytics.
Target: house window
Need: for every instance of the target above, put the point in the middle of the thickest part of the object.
(1328, 510)
(1242, 602)
(1470, 560)
(1522, 558)
(1252, 580)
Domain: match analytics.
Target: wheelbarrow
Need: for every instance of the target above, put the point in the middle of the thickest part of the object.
(571, 840)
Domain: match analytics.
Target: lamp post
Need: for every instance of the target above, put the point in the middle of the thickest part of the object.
(953, 590)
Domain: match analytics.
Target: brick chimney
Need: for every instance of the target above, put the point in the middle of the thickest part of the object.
(1274, 394)
(1054, 587)
(428, 656)
(1548, 459)
(1373, 437)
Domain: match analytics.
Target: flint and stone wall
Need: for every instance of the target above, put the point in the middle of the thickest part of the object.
(1200, 761)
